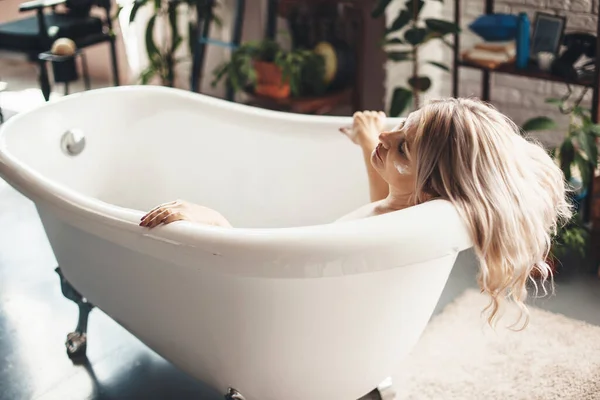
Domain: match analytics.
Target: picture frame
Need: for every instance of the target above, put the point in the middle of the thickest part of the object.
(548, 32)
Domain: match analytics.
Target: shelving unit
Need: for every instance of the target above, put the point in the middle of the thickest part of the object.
(531, 72)
(351, 96)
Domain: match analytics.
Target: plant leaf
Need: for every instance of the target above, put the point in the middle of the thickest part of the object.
(539, 124)
(584, 168)
(400, 55)
(400, 100)
(134, 9)
(441, 26)
(410, 7)
(432, 35)
(151, 49)
(380, 7)
(147, 75)
(217, 20)
(415, 36)
(439, 65)
(117, 13)
(420, 83)
(448, 44)
(393, 41)
(176, 38)
(581, 112)
(400, 22)
(554, 101)
(587, 142)
(594, 129)
(567, 155)
(157, 4)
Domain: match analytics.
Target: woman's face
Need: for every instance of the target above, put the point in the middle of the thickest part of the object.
(392, 158)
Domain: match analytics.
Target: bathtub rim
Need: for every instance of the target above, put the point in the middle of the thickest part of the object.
(363, 232)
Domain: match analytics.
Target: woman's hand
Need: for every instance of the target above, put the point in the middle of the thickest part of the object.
(181, 210)
(366, 127)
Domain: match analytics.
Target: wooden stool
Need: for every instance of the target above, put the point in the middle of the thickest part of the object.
(65, 69)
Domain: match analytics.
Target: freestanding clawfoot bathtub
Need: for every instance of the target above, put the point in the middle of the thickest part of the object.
(285, 305)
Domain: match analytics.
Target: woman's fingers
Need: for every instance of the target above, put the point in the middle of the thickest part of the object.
(175, 216)
(149, 219)
(158, 218)
(161, 216)
(161, 206)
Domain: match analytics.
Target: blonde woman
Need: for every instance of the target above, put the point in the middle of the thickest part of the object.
(507, 188)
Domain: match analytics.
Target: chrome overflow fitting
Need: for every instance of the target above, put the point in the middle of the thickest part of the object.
(72, 142)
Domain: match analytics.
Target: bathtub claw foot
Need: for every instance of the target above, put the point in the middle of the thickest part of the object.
(233, 394)
(386, 390)
(76, 342)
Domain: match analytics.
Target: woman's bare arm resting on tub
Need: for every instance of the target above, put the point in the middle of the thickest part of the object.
(181, 210)
(364, 131)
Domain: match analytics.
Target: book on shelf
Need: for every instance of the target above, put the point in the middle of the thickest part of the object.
(491, 54)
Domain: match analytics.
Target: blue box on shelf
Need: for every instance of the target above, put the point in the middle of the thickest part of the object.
(495, 27)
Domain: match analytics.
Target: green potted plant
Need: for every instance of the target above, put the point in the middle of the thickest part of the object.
(268, 70)
(577, 156)
(578, 152)
(571, 237)
(403, 40)
(162, 60)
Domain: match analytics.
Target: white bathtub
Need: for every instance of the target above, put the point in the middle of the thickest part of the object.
(285, 305)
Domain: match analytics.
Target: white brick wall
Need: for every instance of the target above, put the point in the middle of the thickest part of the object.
(523, 98)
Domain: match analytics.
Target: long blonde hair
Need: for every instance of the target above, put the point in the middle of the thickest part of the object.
(506, 187)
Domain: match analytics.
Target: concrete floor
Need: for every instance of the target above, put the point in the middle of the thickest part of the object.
(35, 318)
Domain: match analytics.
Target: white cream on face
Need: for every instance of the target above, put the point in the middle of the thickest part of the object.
(403, 170)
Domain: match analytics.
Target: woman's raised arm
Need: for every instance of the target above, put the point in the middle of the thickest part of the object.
(365, 130)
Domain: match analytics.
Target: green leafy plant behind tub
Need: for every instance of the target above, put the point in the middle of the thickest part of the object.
(162, 60)
(403, 41)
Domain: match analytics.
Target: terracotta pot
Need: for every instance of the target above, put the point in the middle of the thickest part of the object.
(269, 81)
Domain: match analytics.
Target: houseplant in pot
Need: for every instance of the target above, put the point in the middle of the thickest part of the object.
(577, 156)
(571, 238)
(169, 25)
(267, 69)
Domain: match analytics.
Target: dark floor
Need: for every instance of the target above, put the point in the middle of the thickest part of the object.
(35, 317)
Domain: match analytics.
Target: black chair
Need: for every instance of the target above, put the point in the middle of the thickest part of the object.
(34, 35)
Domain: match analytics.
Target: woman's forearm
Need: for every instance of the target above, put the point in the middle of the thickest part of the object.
(378, 188)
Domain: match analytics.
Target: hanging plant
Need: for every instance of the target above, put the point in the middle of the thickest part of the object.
(406, 35)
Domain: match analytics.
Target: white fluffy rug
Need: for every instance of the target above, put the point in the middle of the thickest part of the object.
(460, 357)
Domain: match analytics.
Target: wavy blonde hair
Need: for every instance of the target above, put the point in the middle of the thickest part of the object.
(509, 191)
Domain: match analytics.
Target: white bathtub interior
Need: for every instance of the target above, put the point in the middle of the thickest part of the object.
(145, 148)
